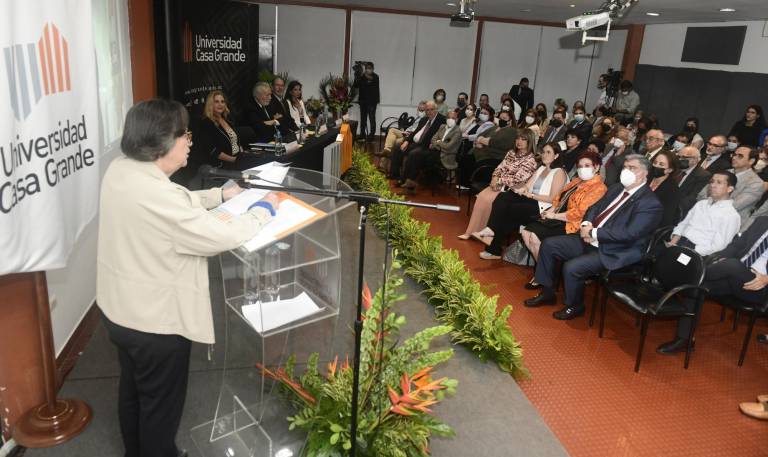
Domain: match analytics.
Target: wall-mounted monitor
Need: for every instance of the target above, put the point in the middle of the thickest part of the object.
(718, 45)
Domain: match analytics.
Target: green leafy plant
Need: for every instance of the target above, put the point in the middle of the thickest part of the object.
(458, 298)
(396, 388)
(314, 106)
(267, 76)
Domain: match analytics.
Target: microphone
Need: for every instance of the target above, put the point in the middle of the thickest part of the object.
(208, 170)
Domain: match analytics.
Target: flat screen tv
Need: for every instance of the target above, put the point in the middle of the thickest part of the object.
(718, 45)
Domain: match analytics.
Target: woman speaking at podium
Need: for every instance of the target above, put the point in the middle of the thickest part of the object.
(152, 280)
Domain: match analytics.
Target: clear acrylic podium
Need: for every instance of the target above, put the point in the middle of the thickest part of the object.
(280, 299)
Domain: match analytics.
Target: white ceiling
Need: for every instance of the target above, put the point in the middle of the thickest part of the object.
(560, 10)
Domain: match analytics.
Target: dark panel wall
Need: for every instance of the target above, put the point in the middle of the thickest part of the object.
(717, 98)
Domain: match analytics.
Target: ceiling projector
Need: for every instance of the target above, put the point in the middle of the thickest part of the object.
(599, 19)
(465, 15)
(588, 21)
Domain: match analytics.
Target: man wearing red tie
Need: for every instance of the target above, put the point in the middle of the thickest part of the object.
(614, 234)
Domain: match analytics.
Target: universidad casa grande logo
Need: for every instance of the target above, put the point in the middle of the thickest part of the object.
(36, 70)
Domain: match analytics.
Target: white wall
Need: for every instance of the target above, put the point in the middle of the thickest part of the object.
(310, 44)
(663, 46)
(73, 288)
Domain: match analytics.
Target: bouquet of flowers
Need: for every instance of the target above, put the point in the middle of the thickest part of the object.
(396, 388)
(338, 93)
(314, 106)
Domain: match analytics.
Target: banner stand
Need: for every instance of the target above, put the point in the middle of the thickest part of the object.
(26, 324)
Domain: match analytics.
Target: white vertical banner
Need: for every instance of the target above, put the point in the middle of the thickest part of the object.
(49, 132)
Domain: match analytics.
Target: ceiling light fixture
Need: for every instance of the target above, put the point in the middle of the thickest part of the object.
(572, 6)
(525, 10)
(727, 10)
(653, 14)
(450, 4)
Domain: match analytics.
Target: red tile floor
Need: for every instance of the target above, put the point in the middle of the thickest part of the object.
(585, 388)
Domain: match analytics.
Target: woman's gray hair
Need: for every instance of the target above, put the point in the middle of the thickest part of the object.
(641, 159)
(152, 127)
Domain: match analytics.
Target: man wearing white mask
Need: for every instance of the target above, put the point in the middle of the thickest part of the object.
(580, 123)
(446, 141)
(614, 234)
(626, 102)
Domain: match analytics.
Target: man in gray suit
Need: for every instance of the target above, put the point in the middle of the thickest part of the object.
(447, 141)
(749, 187)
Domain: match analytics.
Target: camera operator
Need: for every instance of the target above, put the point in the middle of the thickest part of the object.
(367, 83)
(626, 102)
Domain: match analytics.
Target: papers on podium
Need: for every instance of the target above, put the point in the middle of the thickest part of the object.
(292, 214)
(266, 316)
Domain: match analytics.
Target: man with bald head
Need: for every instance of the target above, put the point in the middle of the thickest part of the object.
(426, 129)
(718, 158)
(693, 178)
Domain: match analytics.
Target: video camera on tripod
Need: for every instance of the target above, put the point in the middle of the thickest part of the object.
(610, 81)
(359, 67)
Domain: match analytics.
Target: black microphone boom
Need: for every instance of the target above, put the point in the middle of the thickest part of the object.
(209, 171)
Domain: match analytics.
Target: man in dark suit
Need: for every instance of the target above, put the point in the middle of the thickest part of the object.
(718, 158)
(522, 95)
(614, 233)
(428, 126)
(738, 271)
(654, 143)
(260, 117)
(278, 108)
(692, 178)
(581, 125)
(556, 130)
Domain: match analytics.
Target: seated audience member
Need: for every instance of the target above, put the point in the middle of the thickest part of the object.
(295, 105)
(461, 104)
(712, 223)
(568, 208)
(599, 113)
(542, 117)
(420, 139)
(522, 94)
(494, 143)
(505, 119)
(561, 105)
(529, 122)
(579, 104)
(395, 136)
(692, 126)
(626, 102)
(580, 123)
(614, 234)
(260, 117)
(733, 143)
(573, 149)
(483, 102)
(654, 143)
(616, 151)
(596, 146)
(277, 107)
(679, 141)
(439, 97)
(717, 158)
(750, 127)
(465, 158)
(468, 120)
(749, 187)
(507, 106)
(737, 271)
(485, 121)
(216, 137)
(556, 130)
(693, 178)
(518, 207)
(605, 130)
(446, 141)
(639, 129)
(513, 172)
(663, 176)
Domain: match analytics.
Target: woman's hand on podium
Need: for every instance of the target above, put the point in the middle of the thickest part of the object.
(228, 192)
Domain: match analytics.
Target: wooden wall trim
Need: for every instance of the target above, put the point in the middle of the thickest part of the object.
(347, 39)
(632, 49)
(76, 344)
(142, 32)
(476, 65)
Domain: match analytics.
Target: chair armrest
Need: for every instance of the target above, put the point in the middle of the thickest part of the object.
(677, 290)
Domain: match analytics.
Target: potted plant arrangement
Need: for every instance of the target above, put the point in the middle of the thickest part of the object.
(396, 388)
(338, 93)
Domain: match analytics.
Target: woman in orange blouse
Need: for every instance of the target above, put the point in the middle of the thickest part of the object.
(570, 206)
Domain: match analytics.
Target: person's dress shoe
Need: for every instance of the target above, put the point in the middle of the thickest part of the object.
(568, 313)
(757, 410)
(532, 285)
(545, 297)
(762, 338)
(674, 346)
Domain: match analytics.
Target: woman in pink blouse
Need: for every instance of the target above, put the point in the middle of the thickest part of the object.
(514, 171)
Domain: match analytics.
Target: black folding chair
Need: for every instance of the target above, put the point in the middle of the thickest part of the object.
(481, 178)
(676, 275)
(754, 311)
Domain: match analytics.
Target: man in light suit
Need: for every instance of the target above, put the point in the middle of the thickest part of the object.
(737, 271)
(614, 233)
(447, 141)
(693, 178)
(749, 187)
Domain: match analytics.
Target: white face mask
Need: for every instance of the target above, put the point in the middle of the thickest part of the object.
(483, 117)
(505, 108)
(439, 99)
(617, 143)
(586, 173)
(529, 119)
(469, 113)
(625, 92)
(578, 117)
(678, 145)
(627, 178)
(732, 146)
(450, 122)
(760, 165)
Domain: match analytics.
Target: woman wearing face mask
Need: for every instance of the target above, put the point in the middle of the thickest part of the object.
(468, 126)
(568, 208)
(605, 130)
(573, 150)
(529, 122)
(663, 183)
(439, 97)
(733, 143)
(679, 141)
(505, 119)
(641, 128)
(750, 127)
(485, 121)
(510, 210)
(542, 118)
(513, 172)
(613, 159)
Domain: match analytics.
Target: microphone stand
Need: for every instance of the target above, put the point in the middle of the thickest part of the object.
(363, 200)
